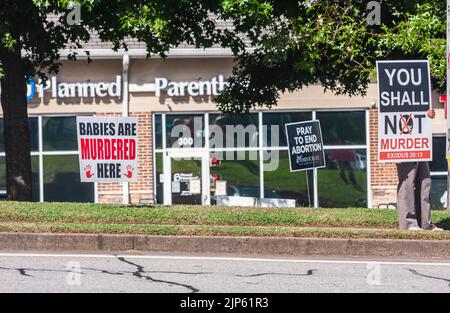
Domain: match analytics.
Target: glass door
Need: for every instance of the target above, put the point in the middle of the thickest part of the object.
(184, 178)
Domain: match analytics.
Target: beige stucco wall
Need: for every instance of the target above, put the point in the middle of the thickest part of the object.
(143, 71)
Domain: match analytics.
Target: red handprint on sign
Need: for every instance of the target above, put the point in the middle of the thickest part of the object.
(129, 172)
(88, 171)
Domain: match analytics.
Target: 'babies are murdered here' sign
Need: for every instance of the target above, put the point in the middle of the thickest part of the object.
(108, 148)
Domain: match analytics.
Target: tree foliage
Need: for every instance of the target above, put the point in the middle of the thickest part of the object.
(331, 43)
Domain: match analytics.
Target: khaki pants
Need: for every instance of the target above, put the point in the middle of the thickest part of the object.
(413, 195)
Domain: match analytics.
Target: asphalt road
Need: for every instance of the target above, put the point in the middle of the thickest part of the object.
(187, 274)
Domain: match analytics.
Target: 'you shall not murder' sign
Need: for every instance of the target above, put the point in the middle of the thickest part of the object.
(404, 93)
(108, 149)
(305, 145)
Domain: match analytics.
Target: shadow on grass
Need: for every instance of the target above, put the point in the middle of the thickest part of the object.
(444, 223)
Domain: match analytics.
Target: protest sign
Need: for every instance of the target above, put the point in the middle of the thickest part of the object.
(107, 149)
(404, 93)
(305, 145)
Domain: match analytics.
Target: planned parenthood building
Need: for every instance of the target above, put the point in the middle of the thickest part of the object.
(253, 162)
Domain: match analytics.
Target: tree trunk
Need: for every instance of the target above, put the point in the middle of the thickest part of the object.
(16, 127)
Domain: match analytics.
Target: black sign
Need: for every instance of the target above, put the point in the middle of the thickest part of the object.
(305, 145)
(404, 86)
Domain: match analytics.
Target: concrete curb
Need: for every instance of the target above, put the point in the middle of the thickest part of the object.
(253, 246)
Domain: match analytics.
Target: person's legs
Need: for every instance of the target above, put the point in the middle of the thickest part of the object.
(406, 208)
(423, 186)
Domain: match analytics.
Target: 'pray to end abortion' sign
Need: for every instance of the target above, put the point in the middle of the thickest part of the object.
(108, 149)
(305, 145)
(404, 93)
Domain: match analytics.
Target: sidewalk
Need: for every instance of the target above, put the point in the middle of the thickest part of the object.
(237, 246)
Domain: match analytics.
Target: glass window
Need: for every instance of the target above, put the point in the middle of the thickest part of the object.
(274, 126)
(231, 131)
(2, 178)
(159, 178)
(34, 177)
(343, 128)
(62, 180)
(35, 188)
(34, 134)
(60, 133)
(158, 131)
(438, 193)
(279, 182)
(439, 163)
(240, 171)
(343, 183)
(184, 131)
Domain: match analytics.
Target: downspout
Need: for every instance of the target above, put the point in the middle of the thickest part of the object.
(125, 110)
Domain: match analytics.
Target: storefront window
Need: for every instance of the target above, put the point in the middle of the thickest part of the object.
(438, 193)
(34, 134)
(233, 131)
(238, 171)
(439, 163)
(34, 178)
(59, 133)
(343, 183)
(343, 128)
(274, 125)
(159, 181)
(280, 183)
(184, 130)
(158, 130)
(62, 180)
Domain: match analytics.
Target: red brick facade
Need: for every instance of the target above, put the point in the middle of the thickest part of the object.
(383, 175)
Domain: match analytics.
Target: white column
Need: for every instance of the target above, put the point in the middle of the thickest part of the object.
(125, 109)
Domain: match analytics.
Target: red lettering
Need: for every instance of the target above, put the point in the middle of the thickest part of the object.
(85, 149)
(114, 149)
(125, 149)
(93, 143)
(119, 149)
(132, 149)
(107, 145)
(100, 149)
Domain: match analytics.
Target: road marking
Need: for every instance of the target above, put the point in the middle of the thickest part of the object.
(205, 258)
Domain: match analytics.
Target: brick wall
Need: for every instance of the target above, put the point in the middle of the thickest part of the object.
(143, 188)
(383, 175)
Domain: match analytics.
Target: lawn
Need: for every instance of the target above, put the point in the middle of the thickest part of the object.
(211, 221)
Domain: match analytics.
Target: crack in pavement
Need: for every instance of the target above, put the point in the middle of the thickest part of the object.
(428, 276)
(308, 273)
(140, 271)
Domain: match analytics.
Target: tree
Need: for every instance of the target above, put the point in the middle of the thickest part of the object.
(332, 43)
(32, 32)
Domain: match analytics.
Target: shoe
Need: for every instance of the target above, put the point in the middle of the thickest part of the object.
(435, 228)
(415, 228)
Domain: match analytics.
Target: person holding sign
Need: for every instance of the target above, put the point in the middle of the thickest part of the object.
(413, 194)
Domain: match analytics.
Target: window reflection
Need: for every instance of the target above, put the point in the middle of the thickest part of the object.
(343, 128)
(184, 131)
(279, 182)
(343, 183)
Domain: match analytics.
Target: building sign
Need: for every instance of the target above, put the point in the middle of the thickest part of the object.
(31, 88)
(194, 88)
(305, 145)
(85, 89)
(186, 184)
(108, 149)
(404, 93)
